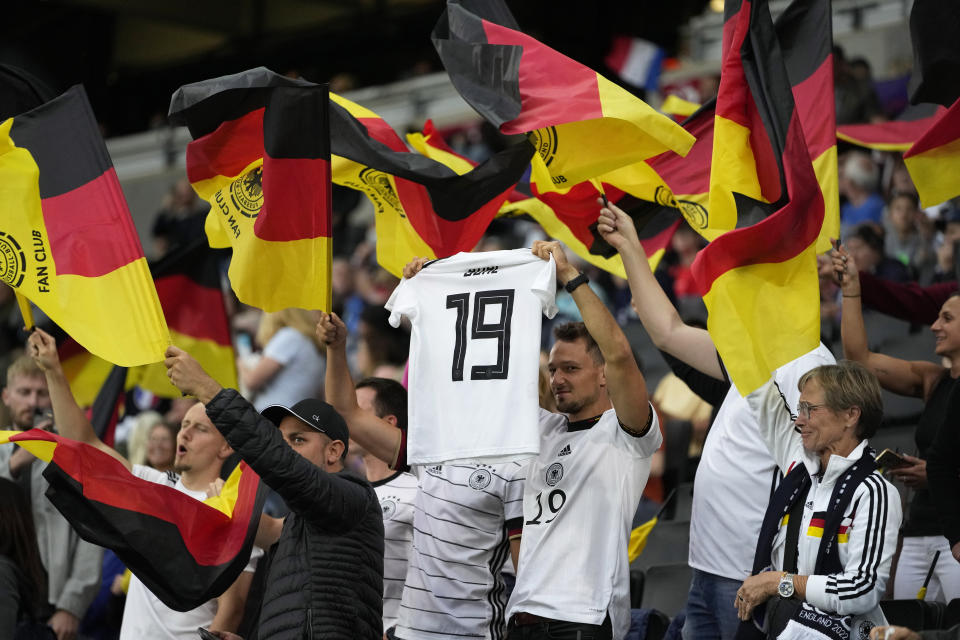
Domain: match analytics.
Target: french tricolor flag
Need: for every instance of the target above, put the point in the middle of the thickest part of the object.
(636, 61)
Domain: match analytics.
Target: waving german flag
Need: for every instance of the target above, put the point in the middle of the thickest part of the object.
(934, 160)
(261, 157)
(760, 281)
(581, 124)
(893, 135)
(66, 238)
(185, 551)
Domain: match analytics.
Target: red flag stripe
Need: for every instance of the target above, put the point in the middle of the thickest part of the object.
(292, 185)
(228, 150)
(192, 309)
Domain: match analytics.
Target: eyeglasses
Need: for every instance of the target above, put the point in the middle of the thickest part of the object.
(804, 409)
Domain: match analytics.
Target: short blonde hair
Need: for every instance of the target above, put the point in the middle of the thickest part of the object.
(23, 366)
(849, 384)
(299, 319)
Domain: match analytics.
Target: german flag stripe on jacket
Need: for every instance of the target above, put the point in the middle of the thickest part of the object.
(934, 160)
(185, 551)
(261, 157)
(66, 238)
(760, 281)
(581, 124)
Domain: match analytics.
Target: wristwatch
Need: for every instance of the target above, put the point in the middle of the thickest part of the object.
(576, 282)
(785, 588)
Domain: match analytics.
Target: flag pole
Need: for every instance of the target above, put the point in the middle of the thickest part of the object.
(25, 311)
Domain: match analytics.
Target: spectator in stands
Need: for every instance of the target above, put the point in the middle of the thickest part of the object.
(72, 565)
(858, 184)
(326, 573)
(856, 99)
(181, 219)
(906, 238)
(23, 581)
(830, 531)
(291, 367)
(943, 474)
(382, 349)
(200, 455)
(736, 470)
(865, 244)
(947, 251)
(152, 441)
(922, 533)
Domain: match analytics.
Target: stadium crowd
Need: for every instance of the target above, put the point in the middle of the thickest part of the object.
(793, 528)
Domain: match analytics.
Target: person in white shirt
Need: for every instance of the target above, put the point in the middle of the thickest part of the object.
(584, 487)
(736, 474)
(396, 490)
(201, 452)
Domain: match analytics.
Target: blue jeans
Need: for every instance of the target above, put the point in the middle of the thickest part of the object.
(710, 611)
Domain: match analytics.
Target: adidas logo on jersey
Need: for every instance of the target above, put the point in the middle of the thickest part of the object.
(481, 271)
(436, 470)
(565, 451)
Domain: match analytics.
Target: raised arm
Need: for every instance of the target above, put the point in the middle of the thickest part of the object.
(69, 418)
(660, 319)
(907, 378)
(625, 384)
(371, 432)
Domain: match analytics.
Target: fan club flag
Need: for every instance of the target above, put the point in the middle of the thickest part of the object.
(581, 124)
(186, 552)
(188, 284)
(934, 160)
(760, 281)
(569, 215)
(67, 242)
(261, 157)
(893, 135)
(425, 206)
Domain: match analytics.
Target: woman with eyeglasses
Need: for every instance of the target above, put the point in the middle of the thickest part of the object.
(828, 538)
(923, 533)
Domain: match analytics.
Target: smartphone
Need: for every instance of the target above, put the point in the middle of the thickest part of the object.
(42, 417)
(206, 635)
(836, 247)
(891, 460)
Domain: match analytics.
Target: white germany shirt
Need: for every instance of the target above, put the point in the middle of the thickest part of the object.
(578, 506)
(474, 354)
(397, 495)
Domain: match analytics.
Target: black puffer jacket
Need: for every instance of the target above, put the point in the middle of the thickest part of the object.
(326, 578)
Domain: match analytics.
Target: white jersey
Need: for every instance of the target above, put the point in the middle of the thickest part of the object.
(474, 354)
(465, 515)
(578, 506)
(397, 495)
(144, 615)
(736, 477)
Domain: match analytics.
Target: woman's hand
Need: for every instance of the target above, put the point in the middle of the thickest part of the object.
(914, 476)
(754, 591)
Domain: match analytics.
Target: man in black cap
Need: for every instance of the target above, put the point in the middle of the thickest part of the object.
(326, 574)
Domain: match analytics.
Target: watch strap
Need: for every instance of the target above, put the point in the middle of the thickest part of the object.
(576, 282)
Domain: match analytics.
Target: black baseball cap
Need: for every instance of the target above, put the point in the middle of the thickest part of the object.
(315, 413)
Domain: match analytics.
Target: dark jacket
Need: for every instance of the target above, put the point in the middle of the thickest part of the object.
(326, 577)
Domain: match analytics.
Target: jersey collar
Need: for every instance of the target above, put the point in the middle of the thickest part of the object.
(581, 425)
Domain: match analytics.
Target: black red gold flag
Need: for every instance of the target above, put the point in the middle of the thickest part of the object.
(185, 551)
(760, 280)
(934, 160)
(894, 135)
(67, 241)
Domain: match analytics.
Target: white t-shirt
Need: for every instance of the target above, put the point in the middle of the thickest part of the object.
(465, 514)
(397, 495)
(301, 376)
(144, 615)
(578, 505)
(737, 476)
(474, 354)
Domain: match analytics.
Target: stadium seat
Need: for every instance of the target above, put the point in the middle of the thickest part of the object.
(918, 615)
(951, 614)
(667, 543)
(669, 585)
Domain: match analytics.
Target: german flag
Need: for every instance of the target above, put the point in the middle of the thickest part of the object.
(894, 135)
(188, 284)
(674, 106)
(581, 124)
(760, 281)
(570, 215)
(934, 160)
(66, 238)
(425, 207)
(185, 551)
(261, 157)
